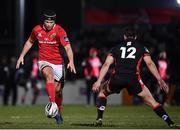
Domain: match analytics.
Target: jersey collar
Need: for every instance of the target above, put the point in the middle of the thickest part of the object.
(45, 28)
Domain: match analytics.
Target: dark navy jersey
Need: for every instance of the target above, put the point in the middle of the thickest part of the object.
(127, 57)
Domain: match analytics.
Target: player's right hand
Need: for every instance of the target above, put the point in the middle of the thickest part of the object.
(20, 61)
(71, 67)
(96, 86)
(163, 86)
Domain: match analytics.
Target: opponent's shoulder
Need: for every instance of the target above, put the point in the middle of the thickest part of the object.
(142, 47)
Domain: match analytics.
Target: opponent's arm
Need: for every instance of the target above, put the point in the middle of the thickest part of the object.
(152, 67)
(26, 48)
(103, 71)
(70, 55)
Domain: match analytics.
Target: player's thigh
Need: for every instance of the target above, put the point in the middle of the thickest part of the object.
(58, 72)
(133, 87)
(116, 84)
(110, 86)
(59, 84)
(147, 97)
(46, 69)
(48, 73)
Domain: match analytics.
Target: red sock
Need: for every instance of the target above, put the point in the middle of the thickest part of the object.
(59, 101)
(50, 91)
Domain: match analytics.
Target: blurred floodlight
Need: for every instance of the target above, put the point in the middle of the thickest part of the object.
(178, 1)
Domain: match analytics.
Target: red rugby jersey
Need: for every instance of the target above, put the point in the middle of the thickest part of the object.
(49, 43)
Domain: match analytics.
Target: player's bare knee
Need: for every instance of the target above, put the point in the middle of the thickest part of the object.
(48, 74)
(154, 104)
(102, 94)
(49, 79)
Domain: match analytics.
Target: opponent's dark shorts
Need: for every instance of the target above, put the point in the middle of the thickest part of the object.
(133, 84)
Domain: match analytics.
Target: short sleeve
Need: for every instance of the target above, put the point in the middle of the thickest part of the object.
(32, 36)
(63, 37)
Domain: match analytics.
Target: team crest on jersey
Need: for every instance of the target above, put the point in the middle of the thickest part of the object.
(53, 35)
(39, 35)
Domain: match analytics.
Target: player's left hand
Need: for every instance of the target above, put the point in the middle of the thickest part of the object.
(96, 86)
(20, 61)
(71, 67)
(163, 86)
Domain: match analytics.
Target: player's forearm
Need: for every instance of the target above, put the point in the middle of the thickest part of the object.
(69, 53)
(26, 48)
(152, 67)
(103, 72)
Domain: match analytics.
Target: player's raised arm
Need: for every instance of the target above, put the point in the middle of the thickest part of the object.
(26, 48)
(103, 71)
(70, 55)
(152, 67)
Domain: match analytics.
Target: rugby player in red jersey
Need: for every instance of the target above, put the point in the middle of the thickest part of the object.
(50, 37)
(127, 57)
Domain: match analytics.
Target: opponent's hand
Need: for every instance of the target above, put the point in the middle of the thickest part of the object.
(163, 86)
(96, 86)
(20, 61)
(71, 67)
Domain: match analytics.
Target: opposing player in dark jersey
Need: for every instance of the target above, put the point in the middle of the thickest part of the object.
(127, 57)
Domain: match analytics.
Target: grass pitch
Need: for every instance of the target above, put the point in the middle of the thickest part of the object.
(83, 117)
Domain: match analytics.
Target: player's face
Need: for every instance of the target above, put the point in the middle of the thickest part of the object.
(48, 24)
(94, 54)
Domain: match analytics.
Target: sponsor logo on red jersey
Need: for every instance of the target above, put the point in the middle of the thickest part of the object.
(53, 35)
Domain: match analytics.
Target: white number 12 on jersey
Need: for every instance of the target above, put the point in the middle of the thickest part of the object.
(130, 52)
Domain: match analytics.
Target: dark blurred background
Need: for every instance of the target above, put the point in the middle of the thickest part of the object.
(99, 24)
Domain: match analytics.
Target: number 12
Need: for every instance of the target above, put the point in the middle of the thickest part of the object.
(131, 52)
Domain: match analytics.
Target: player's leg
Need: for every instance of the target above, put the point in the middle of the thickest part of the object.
(88, 91)
(101, 102)
(59, 84)
(14, 94)
(23, 97)
(36, 90)
(59, 95)
(59, 100)
(48, 73)
(6, 94)
(59, 76)
(158, 109)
